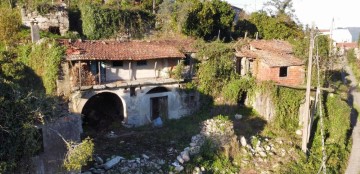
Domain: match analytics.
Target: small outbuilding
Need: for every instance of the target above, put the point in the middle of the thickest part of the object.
(270, 60)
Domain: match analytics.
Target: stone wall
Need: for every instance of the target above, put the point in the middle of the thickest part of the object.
(58, 18)
(263, 104)
(50, 160)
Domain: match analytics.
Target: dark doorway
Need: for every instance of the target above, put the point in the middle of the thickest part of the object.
(102, 110)
(54, 30)
(159, 107)
(242, 98)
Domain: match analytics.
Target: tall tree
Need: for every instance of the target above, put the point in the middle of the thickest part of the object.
(210, 19)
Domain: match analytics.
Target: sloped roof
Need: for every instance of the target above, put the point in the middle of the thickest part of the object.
(115, 50)
(274, 53)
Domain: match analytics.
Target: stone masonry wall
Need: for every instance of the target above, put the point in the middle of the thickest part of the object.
(54, 19)
(50, 160)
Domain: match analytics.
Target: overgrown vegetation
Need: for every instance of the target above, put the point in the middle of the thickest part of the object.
(78, 154)
(216, 68)
(44, 59)
(354, 63)
(22, 107)
(100, 22)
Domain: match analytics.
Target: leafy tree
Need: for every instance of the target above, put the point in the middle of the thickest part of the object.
(217, 66)
(209, 19)
(273, 27)
(10, 24)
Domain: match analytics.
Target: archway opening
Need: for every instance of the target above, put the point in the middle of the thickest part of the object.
(157, 90)
(102, 111)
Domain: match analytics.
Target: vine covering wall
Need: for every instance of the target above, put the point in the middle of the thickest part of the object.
(99, 22)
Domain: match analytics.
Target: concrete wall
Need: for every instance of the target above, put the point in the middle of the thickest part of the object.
(51, 159)
(56, 19)
(137, 109)
(133, 72)
(295, 74)
(263, 104)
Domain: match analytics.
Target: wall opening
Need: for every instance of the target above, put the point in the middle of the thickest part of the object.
(283, 71)
(103, 110)
(158, 90)
(159, 107)
(54, 30)
(242, 99)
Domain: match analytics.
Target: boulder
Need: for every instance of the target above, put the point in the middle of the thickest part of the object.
(262, 154)
(179, 168)
(185, 156)
(98, 160)
(108, 165)
(243, 141)
(238, 116)
(145, 156)
(180, 159)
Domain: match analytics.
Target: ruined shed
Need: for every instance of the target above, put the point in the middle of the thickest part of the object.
(270, 60)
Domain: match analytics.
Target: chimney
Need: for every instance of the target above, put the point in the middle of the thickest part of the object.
(35, 33)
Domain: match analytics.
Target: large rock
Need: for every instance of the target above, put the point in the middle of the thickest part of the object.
(243, 141)
(108, 165)
(185, 156)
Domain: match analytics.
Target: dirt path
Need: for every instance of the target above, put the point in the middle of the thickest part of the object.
(354, 98)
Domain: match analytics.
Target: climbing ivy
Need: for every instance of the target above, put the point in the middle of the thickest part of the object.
(217, 66)
(44, 59)
(236, 87)
(287, 102)
(100, 22)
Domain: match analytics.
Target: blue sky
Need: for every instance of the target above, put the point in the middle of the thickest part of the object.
(321, 12)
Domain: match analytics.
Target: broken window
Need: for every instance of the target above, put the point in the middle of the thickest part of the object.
(132, 91)
(54, 30)
(141, 63)
(117, 63)
(283, 71)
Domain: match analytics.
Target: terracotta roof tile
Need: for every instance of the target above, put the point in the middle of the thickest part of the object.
(114, 50)
(274, 53)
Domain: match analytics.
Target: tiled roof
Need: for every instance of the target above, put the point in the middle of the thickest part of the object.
(274, 53)
(115, 50)
(347, 45)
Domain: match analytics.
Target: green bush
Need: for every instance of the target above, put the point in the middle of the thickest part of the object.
(236, 87)
(78, 154)
(44, 59)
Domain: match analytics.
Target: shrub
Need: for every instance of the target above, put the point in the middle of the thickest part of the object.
(98, 22)
(78, 154)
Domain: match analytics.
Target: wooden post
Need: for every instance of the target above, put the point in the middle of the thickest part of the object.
(130, 71)
(155, 66)
(99, 66)
(80, 74)
(307, 97)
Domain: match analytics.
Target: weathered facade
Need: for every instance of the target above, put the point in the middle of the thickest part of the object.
(56, 21)
(270, 60)
(130, 82)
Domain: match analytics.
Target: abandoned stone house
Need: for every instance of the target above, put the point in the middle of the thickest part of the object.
(128, 81)
(56, 21)
(270, 60)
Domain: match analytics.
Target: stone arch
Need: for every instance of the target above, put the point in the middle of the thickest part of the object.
(102, 109)
(158, 89)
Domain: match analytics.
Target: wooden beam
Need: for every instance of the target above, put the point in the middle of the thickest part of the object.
(79, 74)
(99, 67)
